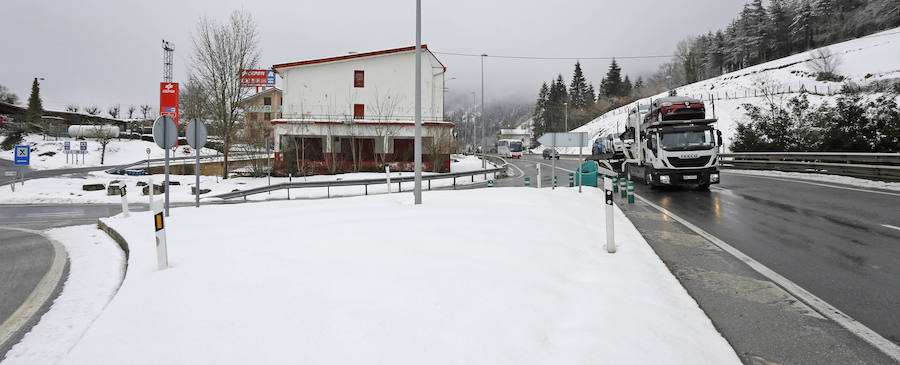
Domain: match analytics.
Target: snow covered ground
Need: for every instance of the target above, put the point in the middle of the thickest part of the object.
(68, 189)
(379, 280)
(96, 266)
(863, 61)
(836, 179)
(118, 152)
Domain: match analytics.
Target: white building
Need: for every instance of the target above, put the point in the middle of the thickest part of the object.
(362, 105)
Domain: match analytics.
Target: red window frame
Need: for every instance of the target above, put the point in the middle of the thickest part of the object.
(359, 111)
(359, 78)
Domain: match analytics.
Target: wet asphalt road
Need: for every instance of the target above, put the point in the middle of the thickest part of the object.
(842, 245)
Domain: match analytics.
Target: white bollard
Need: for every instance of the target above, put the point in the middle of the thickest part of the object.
(610, 228)
(162, 256)
(387, 172)
(539, 176)
(125, 212)
(150, 189)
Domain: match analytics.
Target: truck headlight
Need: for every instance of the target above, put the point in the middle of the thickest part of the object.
(714, 177)
(664, 179)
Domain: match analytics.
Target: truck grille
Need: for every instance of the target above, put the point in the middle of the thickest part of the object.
(689, 162)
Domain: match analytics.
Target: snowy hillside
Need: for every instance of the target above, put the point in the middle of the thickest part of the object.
(863, 61)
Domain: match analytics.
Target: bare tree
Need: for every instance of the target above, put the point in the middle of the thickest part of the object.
(145, 111)
(386, 105)
(441, 143)
(114, 111)
(8, 97)
(72, 108)
(221, 52)
(192, 99)
(103, 134)
(92, 110)
(131, 110)
(825, 64)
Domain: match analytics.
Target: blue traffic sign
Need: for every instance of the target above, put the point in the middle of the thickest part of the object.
(67, 146)
(83, 146)
(22, 155)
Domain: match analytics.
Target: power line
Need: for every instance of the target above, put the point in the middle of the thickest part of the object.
(554, 58)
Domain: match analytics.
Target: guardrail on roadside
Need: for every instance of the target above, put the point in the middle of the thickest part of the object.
(879, 166)
(362, 182)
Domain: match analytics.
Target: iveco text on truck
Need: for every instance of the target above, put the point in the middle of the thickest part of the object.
(674, 144)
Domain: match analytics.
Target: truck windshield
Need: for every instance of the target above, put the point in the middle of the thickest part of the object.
(515, 146)
(687, 140)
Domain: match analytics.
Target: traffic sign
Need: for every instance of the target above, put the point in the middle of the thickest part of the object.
(83, 146)
(67, 146)
(576, 139)
(196, 134)
(22, 155)
(164, 132)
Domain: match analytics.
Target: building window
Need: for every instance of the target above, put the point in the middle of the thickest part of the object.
(267, 101)
(359, 111)
(359, 78)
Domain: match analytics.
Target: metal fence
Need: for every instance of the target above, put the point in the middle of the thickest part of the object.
(362, 182)
(878, 166)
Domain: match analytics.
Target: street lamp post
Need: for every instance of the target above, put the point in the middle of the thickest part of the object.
(483, 162)
(474, 131)
(417, 144)
(566, 105)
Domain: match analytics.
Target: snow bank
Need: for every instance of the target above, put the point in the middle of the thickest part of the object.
(68, 188)
(487, 276)
(863, 61)
(118, 152)
(96, 266)
(836, 179)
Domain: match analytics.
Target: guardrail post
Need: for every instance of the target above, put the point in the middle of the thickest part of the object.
(328, 187)
(454, 182)
(290, 179)
(631, 192)
(622, 188)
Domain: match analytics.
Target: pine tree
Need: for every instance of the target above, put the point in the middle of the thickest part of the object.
(824, 16)
(612, 83)
(35, 108)
(539, 115)
(627, 87)
(556, 110)
(779, 29)
(589, 95)
(639, 83)
(802, 26)
(577, 88)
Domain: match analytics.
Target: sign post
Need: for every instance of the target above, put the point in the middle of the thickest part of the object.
(68, 148)
(12, 176)
(125, 212)
(83, 151)
(165, 134)
(22, 157)
(268, 165)
(148, 160)
(610, 229)
(196, 138)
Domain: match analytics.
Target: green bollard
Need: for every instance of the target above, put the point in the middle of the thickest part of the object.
(615, 185)
(554, 181)
(527, 182)
(631, 192)
(622, 188)
(571, 180)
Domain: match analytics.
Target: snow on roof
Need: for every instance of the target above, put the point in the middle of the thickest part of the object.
(356, 55)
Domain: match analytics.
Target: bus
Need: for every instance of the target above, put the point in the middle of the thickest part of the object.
(510, 148)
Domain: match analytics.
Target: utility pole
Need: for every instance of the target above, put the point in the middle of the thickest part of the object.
(168, 49)
(474, 131)
(418, 140)
(483, 161)
(566, 105)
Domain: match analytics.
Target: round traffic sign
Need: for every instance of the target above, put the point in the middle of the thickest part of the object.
(195, 132)
(165, 134)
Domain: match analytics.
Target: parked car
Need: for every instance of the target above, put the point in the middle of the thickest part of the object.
(550, 153)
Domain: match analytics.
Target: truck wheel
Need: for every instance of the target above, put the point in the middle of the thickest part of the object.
(649, 180)
(628, 173)
(703, 187)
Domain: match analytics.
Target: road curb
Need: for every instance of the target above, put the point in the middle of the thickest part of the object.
(39, 301)
(123, 244)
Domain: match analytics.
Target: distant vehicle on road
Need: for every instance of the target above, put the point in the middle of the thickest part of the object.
(550, 153)
(510, 148)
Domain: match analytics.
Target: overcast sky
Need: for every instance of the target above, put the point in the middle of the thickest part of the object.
(101, 53)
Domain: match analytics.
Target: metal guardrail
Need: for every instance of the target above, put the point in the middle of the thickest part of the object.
(878, 166)
(361, 182)
(153, 161)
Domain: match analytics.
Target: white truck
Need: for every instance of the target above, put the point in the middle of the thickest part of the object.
(674, 144)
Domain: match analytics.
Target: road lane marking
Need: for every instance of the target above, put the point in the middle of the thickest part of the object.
(860, 330)
(801, 181)
(41, 293)
(890, 226)
(513, 165)
(557, 167)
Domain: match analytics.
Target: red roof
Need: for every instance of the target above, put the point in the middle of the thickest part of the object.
(352, 56)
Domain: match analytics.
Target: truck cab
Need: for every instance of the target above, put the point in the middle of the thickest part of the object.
(677, 145)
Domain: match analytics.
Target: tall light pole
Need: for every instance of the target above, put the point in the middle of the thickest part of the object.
(483, 162)
(417, 144)
(474, 133)
(566, 105)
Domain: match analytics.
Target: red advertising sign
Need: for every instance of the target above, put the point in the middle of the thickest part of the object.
(168, 99)
(257, 78)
